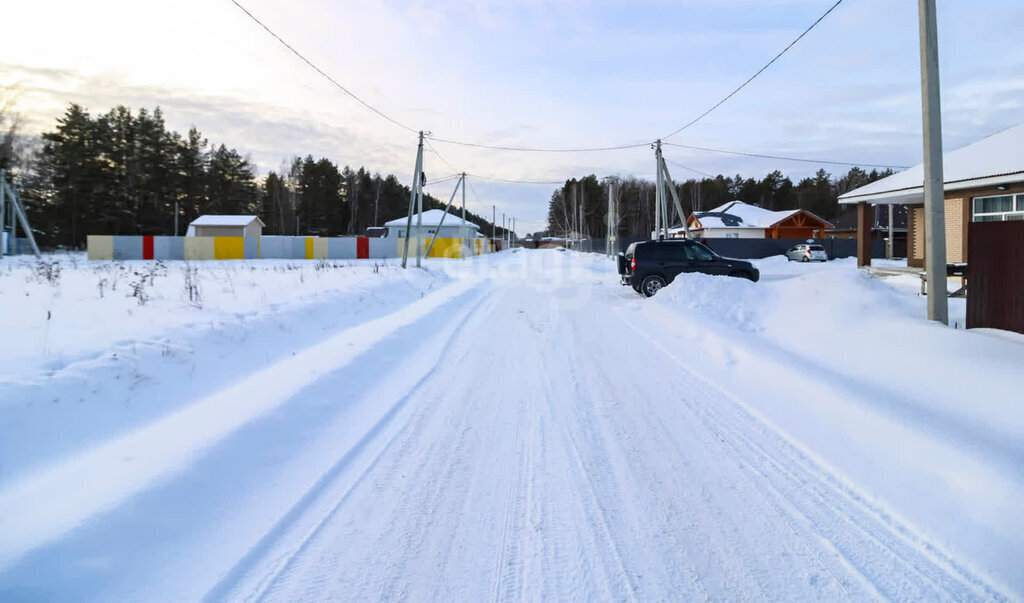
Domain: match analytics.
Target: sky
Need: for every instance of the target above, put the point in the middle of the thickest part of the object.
(534, 73)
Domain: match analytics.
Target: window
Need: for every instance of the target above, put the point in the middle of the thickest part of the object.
(698, 252)
(997, 208)
(732, 235)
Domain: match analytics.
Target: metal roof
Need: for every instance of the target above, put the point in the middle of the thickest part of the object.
(992, 161)
(214, 220)
(432, 217)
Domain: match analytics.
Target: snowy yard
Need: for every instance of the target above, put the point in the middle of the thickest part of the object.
(516, 426)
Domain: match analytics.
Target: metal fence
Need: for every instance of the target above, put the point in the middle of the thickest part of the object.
(995, 275)
(756, 249)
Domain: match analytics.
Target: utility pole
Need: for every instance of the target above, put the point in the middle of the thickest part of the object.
(892, 248)
(465, 236)
(3, 212)
(412, 201)
(376, 202)
(176, 217)
(934, 192)
(659, 191)
(494, 224)
(609, 235)
(504, 231)
(583, 223)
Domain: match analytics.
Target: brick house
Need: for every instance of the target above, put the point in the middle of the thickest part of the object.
(983, 182)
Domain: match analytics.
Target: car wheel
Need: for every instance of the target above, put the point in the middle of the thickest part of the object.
(806, 259)
(652, 285)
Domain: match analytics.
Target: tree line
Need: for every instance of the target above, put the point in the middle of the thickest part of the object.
(581, 205)
(125, 173)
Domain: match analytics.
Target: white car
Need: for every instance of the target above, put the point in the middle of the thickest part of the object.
(807, 253)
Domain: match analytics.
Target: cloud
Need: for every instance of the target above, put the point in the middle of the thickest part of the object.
(530, 73)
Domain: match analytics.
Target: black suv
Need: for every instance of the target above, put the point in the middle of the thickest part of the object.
(648, 266)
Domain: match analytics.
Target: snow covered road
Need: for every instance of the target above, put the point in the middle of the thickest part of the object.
(526, 432)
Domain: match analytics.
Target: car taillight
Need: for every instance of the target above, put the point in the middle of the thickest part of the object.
(634, 265)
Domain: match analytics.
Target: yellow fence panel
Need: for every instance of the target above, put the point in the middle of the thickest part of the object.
(101, 247)
(228, 248)
(446, 248)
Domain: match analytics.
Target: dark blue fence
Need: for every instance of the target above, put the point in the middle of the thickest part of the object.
(760, 248)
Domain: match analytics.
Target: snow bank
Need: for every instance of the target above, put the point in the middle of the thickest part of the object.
(925, 418)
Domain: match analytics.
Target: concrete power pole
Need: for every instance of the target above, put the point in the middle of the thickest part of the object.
(934, 193)
(465, 235)
(608, 228)
(3, 212)
(416, 181)
(661, 204)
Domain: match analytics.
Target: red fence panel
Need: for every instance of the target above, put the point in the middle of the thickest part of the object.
(995, 275)
(363, 248)
(147, 248)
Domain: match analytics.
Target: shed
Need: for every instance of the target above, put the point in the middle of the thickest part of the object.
(430, 224)
(225, 226)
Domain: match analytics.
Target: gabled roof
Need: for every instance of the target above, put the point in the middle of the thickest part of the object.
(214, 220)
(432, 217)
(992, 161)
(737, 214)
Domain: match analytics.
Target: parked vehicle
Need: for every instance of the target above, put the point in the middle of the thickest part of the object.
(806, 252)
(647, 266)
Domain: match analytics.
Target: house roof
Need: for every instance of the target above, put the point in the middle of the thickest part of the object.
(992, 161)
(214, 220)
(432, 217)
(737, 214)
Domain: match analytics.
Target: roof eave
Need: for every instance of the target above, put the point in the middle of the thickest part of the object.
(916, 194)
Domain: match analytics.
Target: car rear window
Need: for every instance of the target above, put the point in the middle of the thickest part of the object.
(816, 248)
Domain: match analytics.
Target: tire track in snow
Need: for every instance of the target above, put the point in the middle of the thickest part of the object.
(273, 557)
(593, 506)
(55, 500)
(937, 574)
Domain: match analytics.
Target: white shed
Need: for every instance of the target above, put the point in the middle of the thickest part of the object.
(225, 226)
(453, 227)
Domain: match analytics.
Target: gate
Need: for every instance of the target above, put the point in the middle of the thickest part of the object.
(995, 276)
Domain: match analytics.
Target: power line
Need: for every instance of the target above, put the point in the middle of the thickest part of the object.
(495, 179)
(541, 150)
(538, 149)
(491, 178)
(428, 138)
(321, 71)
(439, 156)
(751, 78)
(779, 157)
(443, 180)
(689, 168)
